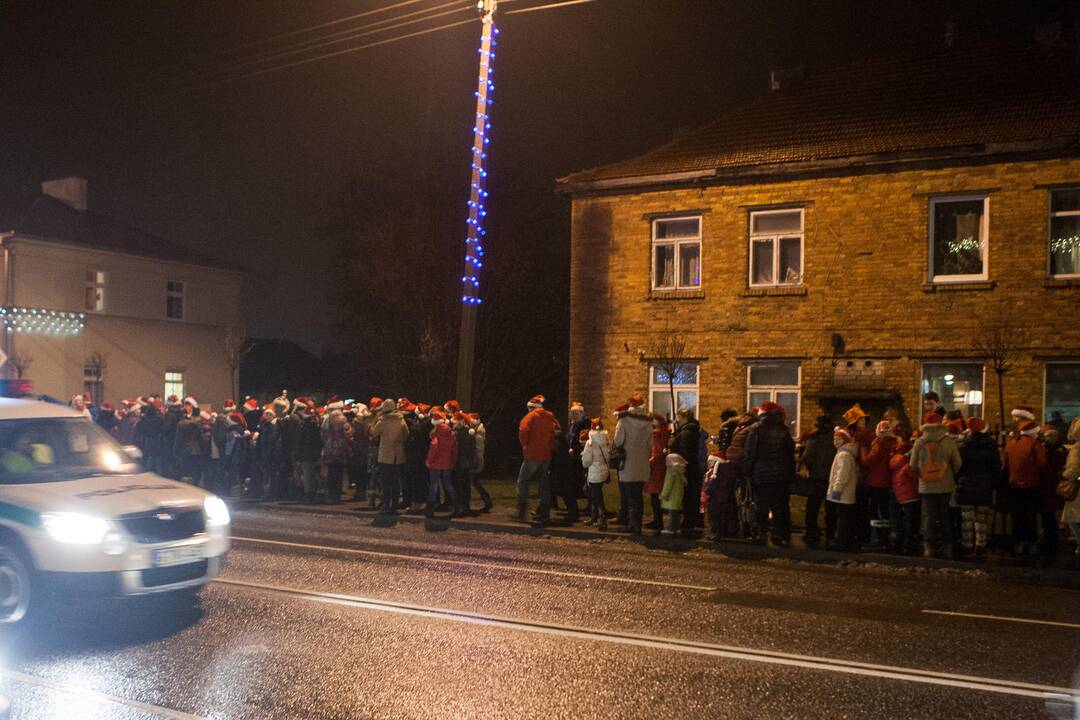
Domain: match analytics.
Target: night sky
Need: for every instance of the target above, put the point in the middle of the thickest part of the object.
(253, 170)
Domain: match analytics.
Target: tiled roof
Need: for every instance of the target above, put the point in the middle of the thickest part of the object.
(46, 218)
(937, 104)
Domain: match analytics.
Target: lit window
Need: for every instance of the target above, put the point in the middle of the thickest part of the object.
(959, 386)
(958, 239)
(1062, 392)
(776, 242)
(676, 251)
(94, 381)
(1065, 233)
(684, 382)
(174, 300)
(95, 291)
(778, 382)
(174, 383)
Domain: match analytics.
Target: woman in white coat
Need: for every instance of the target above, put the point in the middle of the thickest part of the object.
(594, 458)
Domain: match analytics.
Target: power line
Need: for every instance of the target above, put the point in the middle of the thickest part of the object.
(324, 56)
(345, 36)
(550, 6)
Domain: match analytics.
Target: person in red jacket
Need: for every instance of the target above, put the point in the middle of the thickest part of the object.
(1025, 459)
(904, 500)
(441, 460)
(536, 433)
(878, 479)
(661, 435)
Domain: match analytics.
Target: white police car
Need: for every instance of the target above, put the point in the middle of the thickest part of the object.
(79, 515)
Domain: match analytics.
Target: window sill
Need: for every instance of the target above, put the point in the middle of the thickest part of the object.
(1062, 282)
(966, 286)
(676, 295)
(778, 291)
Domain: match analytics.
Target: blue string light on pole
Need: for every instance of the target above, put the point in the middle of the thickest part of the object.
(474, 226)
(475, 233)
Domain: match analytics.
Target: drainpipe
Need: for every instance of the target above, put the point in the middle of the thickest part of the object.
(7, 342)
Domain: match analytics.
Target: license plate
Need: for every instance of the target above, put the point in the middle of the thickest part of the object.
(176, 555)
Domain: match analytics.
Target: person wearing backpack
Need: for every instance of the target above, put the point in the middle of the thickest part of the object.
(979, 470)
(1025, 460)
(936, 459)
(594, 458)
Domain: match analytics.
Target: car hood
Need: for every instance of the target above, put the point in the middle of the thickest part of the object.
(108, 495)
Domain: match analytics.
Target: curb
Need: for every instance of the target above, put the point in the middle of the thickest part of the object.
(737, 549)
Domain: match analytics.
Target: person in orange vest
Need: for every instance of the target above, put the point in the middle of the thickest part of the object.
(536, 433)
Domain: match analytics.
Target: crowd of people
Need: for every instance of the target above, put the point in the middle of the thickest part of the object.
(938, 489)
(396, 455)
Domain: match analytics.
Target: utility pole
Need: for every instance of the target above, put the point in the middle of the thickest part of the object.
(474, 238)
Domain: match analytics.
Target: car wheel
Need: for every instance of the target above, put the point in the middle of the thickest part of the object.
(16, 590)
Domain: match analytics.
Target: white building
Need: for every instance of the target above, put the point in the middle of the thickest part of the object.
(98, 306)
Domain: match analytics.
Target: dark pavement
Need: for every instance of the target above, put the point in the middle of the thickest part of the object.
(325, 616)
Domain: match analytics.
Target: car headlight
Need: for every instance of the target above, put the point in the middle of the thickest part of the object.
(217, 513)
(75, 528)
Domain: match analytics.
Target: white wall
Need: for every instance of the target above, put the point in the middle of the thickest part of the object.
(138, 342)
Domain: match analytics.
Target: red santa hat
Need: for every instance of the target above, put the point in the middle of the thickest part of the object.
(536, 401)
(251, 404)
(403, 402)
(955, 427)
(229, 405)
(423, 409)
(375, 402)
(127, 402)
(576, 407)
(474, 418)
(237, 418)
(452, 406)
(406, 406)
(438, 417)
(192, 402)
(635, 401)
(106, 405)
(624, 408)
(460, 417)
(931, 418)
(976, 425)
(1023, 412)
(843, 433)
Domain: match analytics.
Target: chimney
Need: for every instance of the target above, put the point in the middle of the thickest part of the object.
(69, 190)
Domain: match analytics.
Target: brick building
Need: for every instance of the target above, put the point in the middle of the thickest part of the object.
(855, 235)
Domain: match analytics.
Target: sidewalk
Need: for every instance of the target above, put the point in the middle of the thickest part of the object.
(998, 566)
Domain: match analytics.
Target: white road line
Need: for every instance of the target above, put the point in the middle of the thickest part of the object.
(971, 682)
(474, 563)
(1003, 618)
(94, 695)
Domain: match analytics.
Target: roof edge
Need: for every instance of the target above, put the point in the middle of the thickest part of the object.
(18, 235)
(1041, 148)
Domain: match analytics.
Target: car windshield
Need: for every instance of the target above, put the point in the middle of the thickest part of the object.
(34, 450)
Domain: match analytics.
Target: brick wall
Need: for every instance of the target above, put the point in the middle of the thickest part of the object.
(865, 277)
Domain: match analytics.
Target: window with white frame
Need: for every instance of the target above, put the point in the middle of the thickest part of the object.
(94, 381)
(1061, 401)
(959, 238)
(683, 381)
(174, 383)
(95, 291)
(676, 253)
(776, 247)
(777, 381)
(174, 300)
(1065, 233)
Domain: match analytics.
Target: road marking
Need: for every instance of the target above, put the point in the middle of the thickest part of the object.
(927, 677)
(1003, 618)
(96, 696)
(474, 563)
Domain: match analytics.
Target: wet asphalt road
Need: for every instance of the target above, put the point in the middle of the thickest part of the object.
(327, 617)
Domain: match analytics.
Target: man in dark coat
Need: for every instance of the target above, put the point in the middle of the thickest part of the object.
(187, 441)
(769, 462)
(170, 460)
(817, 457)
(148, 437)
(686, 442)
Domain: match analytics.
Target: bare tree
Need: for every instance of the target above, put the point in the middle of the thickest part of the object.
(667, 353)
(1000, 344)
(20, 362)
(236, 347)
